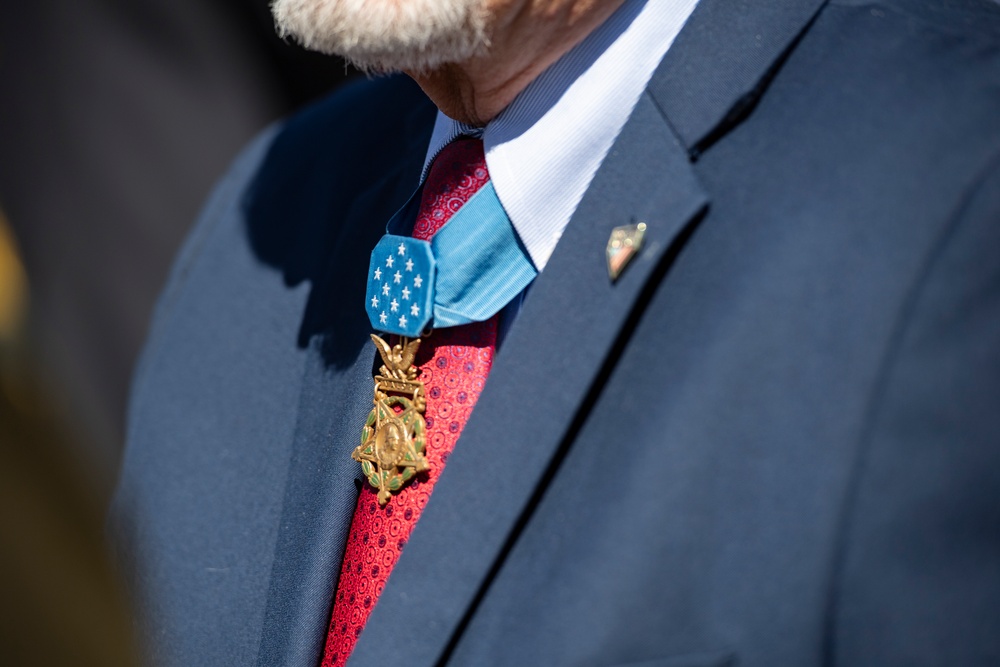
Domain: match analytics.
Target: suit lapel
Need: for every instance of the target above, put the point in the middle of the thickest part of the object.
(322, 480)
(573, 325)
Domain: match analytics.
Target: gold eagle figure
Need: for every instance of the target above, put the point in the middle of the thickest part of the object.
(398, 359)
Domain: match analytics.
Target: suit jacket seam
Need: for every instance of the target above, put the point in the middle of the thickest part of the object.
(890, 360)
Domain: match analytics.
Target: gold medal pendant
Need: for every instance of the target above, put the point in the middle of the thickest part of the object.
(391, 452)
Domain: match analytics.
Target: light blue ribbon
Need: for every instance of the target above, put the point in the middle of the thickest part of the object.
(479, 265)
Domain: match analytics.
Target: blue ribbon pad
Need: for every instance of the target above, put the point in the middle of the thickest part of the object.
(400, 297)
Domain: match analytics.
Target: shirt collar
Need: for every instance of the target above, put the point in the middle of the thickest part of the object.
(543, 150)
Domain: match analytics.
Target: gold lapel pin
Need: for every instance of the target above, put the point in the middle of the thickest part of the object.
(623, 245)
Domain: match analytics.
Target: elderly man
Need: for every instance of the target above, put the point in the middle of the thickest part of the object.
(686, 347)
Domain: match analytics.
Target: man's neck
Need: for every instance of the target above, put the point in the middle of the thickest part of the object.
(527, 37)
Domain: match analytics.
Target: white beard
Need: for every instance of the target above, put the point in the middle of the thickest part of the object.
(387, 35)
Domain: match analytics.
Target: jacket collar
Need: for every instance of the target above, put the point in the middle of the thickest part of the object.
(722, 62)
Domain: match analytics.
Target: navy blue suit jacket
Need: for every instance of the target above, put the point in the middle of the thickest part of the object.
(775, 440)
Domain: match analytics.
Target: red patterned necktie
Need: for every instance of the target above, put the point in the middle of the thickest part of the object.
(453, 363)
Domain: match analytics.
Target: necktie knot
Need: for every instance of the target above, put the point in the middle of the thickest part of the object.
(458, 172)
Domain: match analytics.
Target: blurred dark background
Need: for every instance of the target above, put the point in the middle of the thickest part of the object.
(116, 117)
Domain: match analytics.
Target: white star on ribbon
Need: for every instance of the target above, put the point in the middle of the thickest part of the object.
(389, 261)
(374, 302)
(394, 305)
(409, 265)
(406, 293)
(378, 274)
(397, 278)
(418, 281)
(415, 310)
(402, 249)
(402, 320)
(383, 318)
(385, 289)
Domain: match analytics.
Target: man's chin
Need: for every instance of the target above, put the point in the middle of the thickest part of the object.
(382, 36)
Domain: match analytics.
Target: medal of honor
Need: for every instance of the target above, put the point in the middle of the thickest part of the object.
(400, 301)
(392, 441)
(467, 272)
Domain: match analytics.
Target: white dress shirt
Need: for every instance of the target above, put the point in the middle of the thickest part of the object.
(543, 150)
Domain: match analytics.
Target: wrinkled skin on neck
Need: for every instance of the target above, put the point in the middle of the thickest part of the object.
(525, 37)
